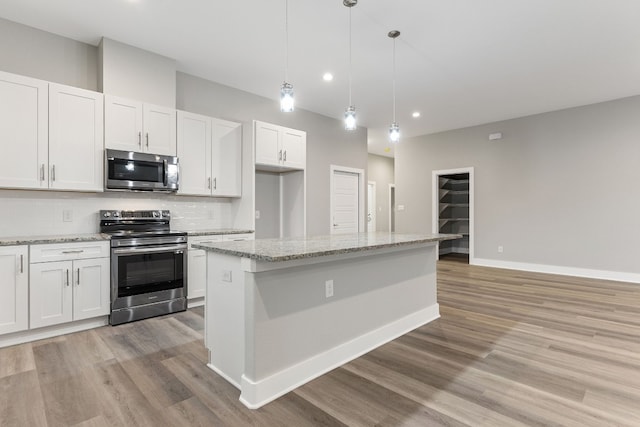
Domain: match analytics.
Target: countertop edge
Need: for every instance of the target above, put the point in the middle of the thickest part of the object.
(36, 240)
(220, 232)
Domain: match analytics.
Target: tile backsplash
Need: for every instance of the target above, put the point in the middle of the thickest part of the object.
(26, 213)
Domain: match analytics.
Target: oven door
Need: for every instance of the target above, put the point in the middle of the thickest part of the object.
(147, 274)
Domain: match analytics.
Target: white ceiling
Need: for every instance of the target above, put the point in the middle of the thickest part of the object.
(459, 62)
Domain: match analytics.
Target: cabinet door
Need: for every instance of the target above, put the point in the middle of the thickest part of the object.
(226, 158)
(50, 293)
(159, 130)
(75, 139)
(122, 124)
(197, 267)
(194, 154)
(294, 147)
(14, 287)
(267, 144)
(91, 289)
(23, 132)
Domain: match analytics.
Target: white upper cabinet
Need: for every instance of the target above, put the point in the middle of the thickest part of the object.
(14, 286)
(75, 139)
(226, 158)
(210, 154)
(133, 126)
(279, 148)
(23, 132)
(194, 153)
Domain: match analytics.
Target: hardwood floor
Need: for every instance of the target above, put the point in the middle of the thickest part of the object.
(510, 349)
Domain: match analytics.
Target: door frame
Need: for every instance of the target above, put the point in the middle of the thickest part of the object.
(435, 213)
(369, 204)
(392, 217)
(361, 195)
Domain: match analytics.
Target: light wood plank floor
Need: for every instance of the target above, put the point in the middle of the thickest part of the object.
(511, 348)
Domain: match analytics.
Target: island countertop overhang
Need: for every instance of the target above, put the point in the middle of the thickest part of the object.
(298, 248)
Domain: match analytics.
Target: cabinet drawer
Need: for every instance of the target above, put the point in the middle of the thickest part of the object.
(203, 239)
(68, 251)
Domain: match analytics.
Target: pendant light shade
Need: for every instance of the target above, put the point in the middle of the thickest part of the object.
(350, 122)
(287, 101)
(394, 129)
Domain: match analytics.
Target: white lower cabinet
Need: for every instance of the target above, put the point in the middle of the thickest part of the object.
(197, 266)
(68, 282)
(14, 287)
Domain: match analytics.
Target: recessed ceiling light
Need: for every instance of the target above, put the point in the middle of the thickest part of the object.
(415, 114)
(327, 77)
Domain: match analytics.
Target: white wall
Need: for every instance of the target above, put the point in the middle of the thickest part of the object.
(380, 170)
(560, 189)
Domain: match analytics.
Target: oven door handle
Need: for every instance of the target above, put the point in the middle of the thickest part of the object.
(178, 249)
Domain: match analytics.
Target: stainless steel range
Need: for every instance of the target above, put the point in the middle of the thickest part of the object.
(148, 264)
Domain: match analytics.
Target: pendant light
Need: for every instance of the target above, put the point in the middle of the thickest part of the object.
(350, 112)
(394, 129)
(286, 90)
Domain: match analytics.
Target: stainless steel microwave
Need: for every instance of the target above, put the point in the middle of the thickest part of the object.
(128, 170)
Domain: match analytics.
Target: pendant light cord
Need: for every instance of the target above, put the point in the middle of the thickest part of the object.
(350, 44)
(286, 40)
(394, 80)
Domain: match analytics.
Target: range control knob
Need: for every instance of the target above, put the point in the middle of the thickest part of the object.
(106, 214)
(165, 213)
(116, 214)
(156, 214)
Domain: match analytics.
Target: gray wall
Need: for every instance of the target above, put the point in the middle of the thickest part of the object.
(380, 170)
(327, 142)
(560, 188)
(34, 53)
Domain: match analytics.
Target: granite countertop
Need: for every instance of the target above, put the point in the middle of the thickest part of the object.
(217, 232)
(274, 250)
(69, 238)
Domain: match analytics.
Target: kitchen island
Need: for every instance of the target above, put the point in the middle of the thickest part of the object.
(280, 312)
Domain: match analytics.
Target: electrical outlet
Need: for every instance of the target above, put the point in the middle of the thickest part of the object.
(500, 249)
(328, 288)
(400, 207)
(67, 215)
(226, 275)
(257, 214)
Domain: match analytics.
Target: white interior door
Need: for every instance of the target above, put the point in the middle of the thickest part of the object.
(371, 206)
(345, 202)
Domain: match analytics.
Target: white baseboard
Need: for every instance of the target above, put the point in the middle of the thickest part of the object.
(195, 302)
(223, 375)
(255, 394)
(557, 269)
(52, 331)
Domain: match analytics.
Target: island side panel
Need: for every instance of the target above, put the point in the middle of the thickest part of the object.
(224, 316)
(295, 333)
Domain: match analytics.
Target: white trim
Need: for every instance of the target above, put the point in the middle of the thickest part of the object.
(52, 331)
(223, 375)
(560, 270)
(435, 215)
(195, 302)
(374, 203)
(258, 393)
(361, 195)
(391, 209)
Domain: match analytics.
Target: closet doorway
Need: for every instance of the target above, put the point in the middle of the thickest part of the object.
(452, 211)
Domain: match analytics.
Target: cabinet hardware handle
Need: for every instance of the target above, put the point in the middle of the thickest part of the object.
(78, 277)
(79, 251)
(42, 172)
(140, 139)
(21, 263)
(53, 173)
(67, 277)
(147, 137)
(285, 155)
(209, 183)
(215, 183)
(280, 155)
(165, 168)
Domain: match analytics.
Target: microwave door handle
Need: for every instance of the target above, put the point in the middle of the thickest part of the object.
(164, 164)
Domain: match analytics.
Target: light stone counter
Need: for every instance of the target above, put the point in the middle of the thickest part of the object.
(281, 312)
(217, 232)
(289, 249)
(36, 240)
